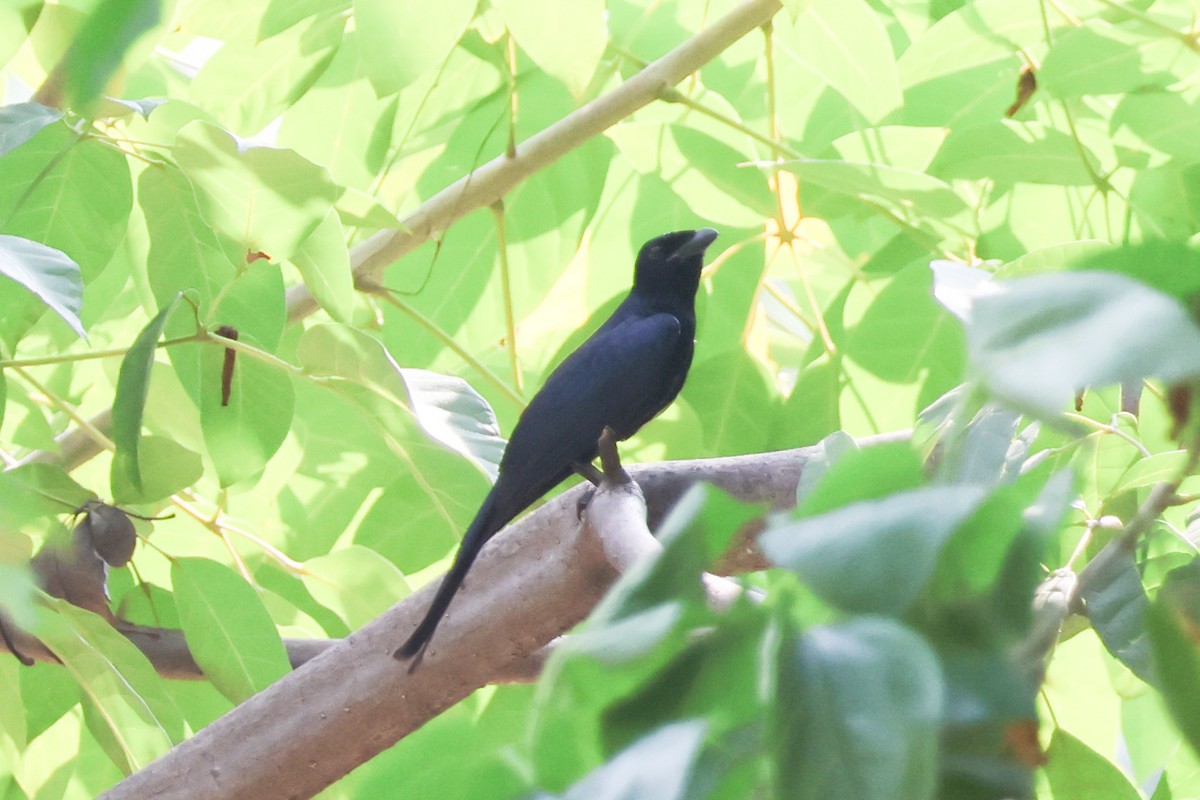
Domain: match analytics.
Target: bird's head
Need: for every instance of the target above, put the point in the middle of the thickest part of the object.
(670, 264)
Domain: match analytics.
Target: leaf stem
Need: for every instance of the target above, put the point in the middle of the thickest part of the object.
(510, 325)
(17, 363)
(1189, 39)
(390, 297)
(252, 352)
(94, 433)
(1109, 429)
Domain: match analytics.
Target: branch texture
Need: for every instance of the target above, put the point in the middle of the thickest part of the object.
(532, 582)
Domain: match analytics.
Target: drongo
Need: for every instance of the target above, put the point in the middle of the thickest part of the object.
(626, 372)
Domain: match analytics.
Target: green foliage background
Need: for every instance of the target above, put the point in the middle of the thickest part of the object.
(840, 150)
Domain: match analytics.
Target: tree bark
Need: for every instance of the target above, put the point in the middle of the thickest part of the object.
(532, 582)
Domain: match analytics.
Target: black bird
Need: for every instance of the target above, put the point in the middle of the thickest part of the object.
(626, 372)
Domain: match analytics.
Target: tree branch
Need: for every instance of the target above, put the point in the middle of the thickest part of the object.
(492, 181)
(495, 179)
(532, 582)
(352, 702)
(164, 648)
(1064, 592)
(760, 478)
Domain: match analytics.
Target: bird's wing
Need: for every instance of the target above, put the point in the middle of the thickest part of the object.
(622, 376)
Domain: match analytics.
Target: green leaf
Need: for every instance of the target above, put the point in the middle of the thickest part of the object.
(1177, 665)
(867, 474)
(972, 35)
(1166, 202)
(48, 273)
(254, 303)
(873, 556)
(1076, 771)
(1150, 470)
(1097, 59)
(1170, 267)
(18, 592)
(17, 18)
(977, 553)
(396, 51)
(566, 41)
(13, 723)
(1012, 152)
(718, 678)
(98, 47)
(826, 453)
(36, 498)
(708, 172)
(356, 583)
(813, 410)
(185, 253)
(985, 452)
(242, 436)
(724, 168)
(905, 333)
(1116, 603)
(845, 43)
(698, 530)
(117, 108)
(341, 124)
(657, 766)
(1040, 339)
(859, 714)
(1165, 121)
(735, 402)
(448, 410)
(907, 147)
(266, 199)
(165, 467)
(324, 263)
(228, 630)
(900, 191)
(69, 193)
(129, 705)
(283, 14)
(1052, 258)
(20, 122)
(247, 84)
(642, 624)
(129, 403)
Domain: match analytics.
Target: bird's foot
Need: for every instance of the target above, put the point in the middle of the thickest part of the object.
(582, 503)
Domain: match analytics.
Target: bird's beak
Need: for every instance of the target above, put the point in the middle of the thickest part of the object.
(699, 242)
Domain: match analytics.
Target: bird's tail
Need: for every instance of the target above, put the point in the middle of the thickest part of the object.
(488, 520)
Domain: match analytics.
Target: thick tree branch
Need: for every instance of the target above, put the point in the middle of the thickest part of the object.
(760, 478)
(532, 582)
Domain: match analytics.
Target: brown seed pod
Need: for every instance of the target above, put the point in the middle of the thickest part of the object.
(110, 530)
(229, 332)
(1179, 403)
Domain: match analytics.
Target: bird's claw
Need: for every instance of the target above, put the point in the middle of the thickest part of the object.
(582, 503)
